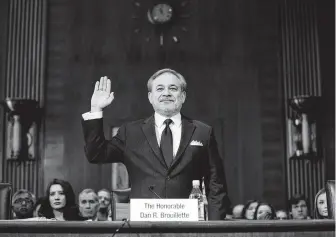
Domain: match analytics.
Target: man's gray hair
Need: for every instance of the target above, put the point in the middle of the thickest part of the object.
(104, 190)
(89, 190)
(166, 70)
(23, 191)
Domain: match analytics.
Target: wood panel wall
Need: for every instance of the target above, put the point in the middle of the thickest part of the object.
(326, 28)
(230, 56)
(4, 6)
(24, 77)
(301, 76)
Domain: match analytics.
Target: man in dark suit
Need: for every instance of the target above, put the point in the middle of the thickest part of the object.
(162, 153)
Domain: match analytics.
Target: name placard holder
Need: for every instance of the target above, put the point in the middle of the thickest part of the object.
(163, 210)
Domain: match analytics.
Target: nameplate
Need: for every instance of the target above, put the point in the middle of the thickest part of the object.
(164, 210)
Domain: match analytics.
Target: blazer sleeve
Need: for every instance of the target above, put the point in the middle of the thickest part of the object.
(99, 150)
(215, 182)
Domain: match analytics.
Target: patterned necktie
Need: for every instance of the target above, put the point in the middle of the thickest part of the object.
(166, 143)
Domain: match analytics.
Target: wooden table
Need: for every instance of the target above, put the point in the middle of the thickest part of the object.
(290, 228)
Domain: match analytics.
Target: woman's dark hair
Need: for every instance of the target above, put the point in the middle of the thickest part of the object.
(295, 199)
(39, 201)
(272, 214)
(247, 205)
(70, 211)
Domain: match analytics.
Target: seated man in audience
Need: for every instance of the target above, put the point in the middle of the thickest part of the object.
(237, 211)
(23, 203)
(298, 207)
(88, 204)
(105, 199)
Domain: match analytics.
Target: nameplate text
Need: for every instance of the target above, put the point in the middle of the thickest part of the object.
(163, 210)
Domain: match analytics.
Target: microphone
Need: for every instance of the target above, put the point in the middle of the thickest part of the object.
(151, 188)
(125, 220)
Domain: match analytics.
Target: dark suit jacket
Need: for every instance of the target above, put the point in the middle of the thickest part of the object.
(136, 146)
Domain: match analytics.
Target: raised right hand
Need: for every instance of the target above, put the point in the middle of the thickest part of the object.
(102, 95)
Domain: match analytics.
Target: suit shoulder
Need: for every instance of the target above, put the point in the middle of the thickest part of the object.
(134, 123)
(199, 123)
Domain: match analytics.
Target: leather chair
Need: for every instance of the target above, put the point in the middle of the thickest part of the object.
(121, 204)
(5, 201)
(330, 191)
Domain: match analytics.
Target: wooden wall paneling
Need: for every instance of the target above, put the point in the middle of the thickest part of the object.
(301, 76)
(326, 28)
(270, 105)
(24, 77)
(220, 57)
(4, 12)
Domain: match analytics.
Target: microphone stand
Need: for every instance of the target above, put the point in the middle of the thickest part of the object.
(151, 188)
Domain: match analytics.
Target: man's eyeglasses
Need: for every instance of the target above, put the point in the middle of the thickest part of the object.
(26, 200)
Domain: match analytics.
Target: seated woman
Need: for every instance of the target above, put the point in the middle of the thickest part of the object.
(59, 203)
(249, 209)
(320, 205)
(264, 211)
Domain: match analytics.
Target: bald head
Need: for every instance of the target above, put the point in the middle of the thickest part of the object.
(237, 211)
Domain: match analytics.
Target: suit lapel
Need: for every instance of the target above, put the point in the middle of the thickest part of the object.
(148, 129)
(187, 131)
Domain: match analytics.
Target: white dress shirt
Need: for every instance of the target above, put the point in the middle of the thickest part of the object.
(175, 126)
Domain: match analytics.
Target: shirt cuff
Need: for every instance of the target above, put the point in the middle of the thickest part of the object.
(93, 115)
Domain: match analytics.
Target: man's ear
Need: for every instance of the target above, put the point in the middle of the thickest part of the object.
(150, 97)
(184, 94)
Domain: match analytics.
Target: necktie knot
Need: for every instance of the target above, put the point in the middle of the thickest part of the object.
(168, 122)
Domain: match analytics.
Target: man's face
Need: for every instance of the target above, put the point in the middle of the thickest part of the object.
(167, 96)
(88, 205)
(104, 199)
(300, 210)
(23, 205)
(57, 197)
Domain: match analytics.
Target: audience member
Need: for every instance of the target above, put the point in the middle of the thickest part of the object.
(23, 203)
(281, 215)
(60, 202)
(264, 211)
(237, 211)
(298, 207)
(105, 200)
(88, 204)
(320, 205)
(249, 209)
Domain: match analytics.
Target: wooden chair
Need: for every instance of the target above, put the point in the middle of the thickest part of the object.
(5, 201)
(121, 204)
(330, 191)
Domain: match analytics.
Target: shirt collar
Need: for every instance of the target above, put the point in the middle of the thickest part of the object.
(159, 119)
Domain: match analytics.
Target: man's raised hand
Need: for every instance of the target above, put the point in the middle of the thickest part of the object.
(102, 95)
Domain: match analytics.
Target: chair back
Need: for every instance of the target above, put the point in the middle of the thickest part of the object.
(120, 204)
(330, 191)
(5, 201)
